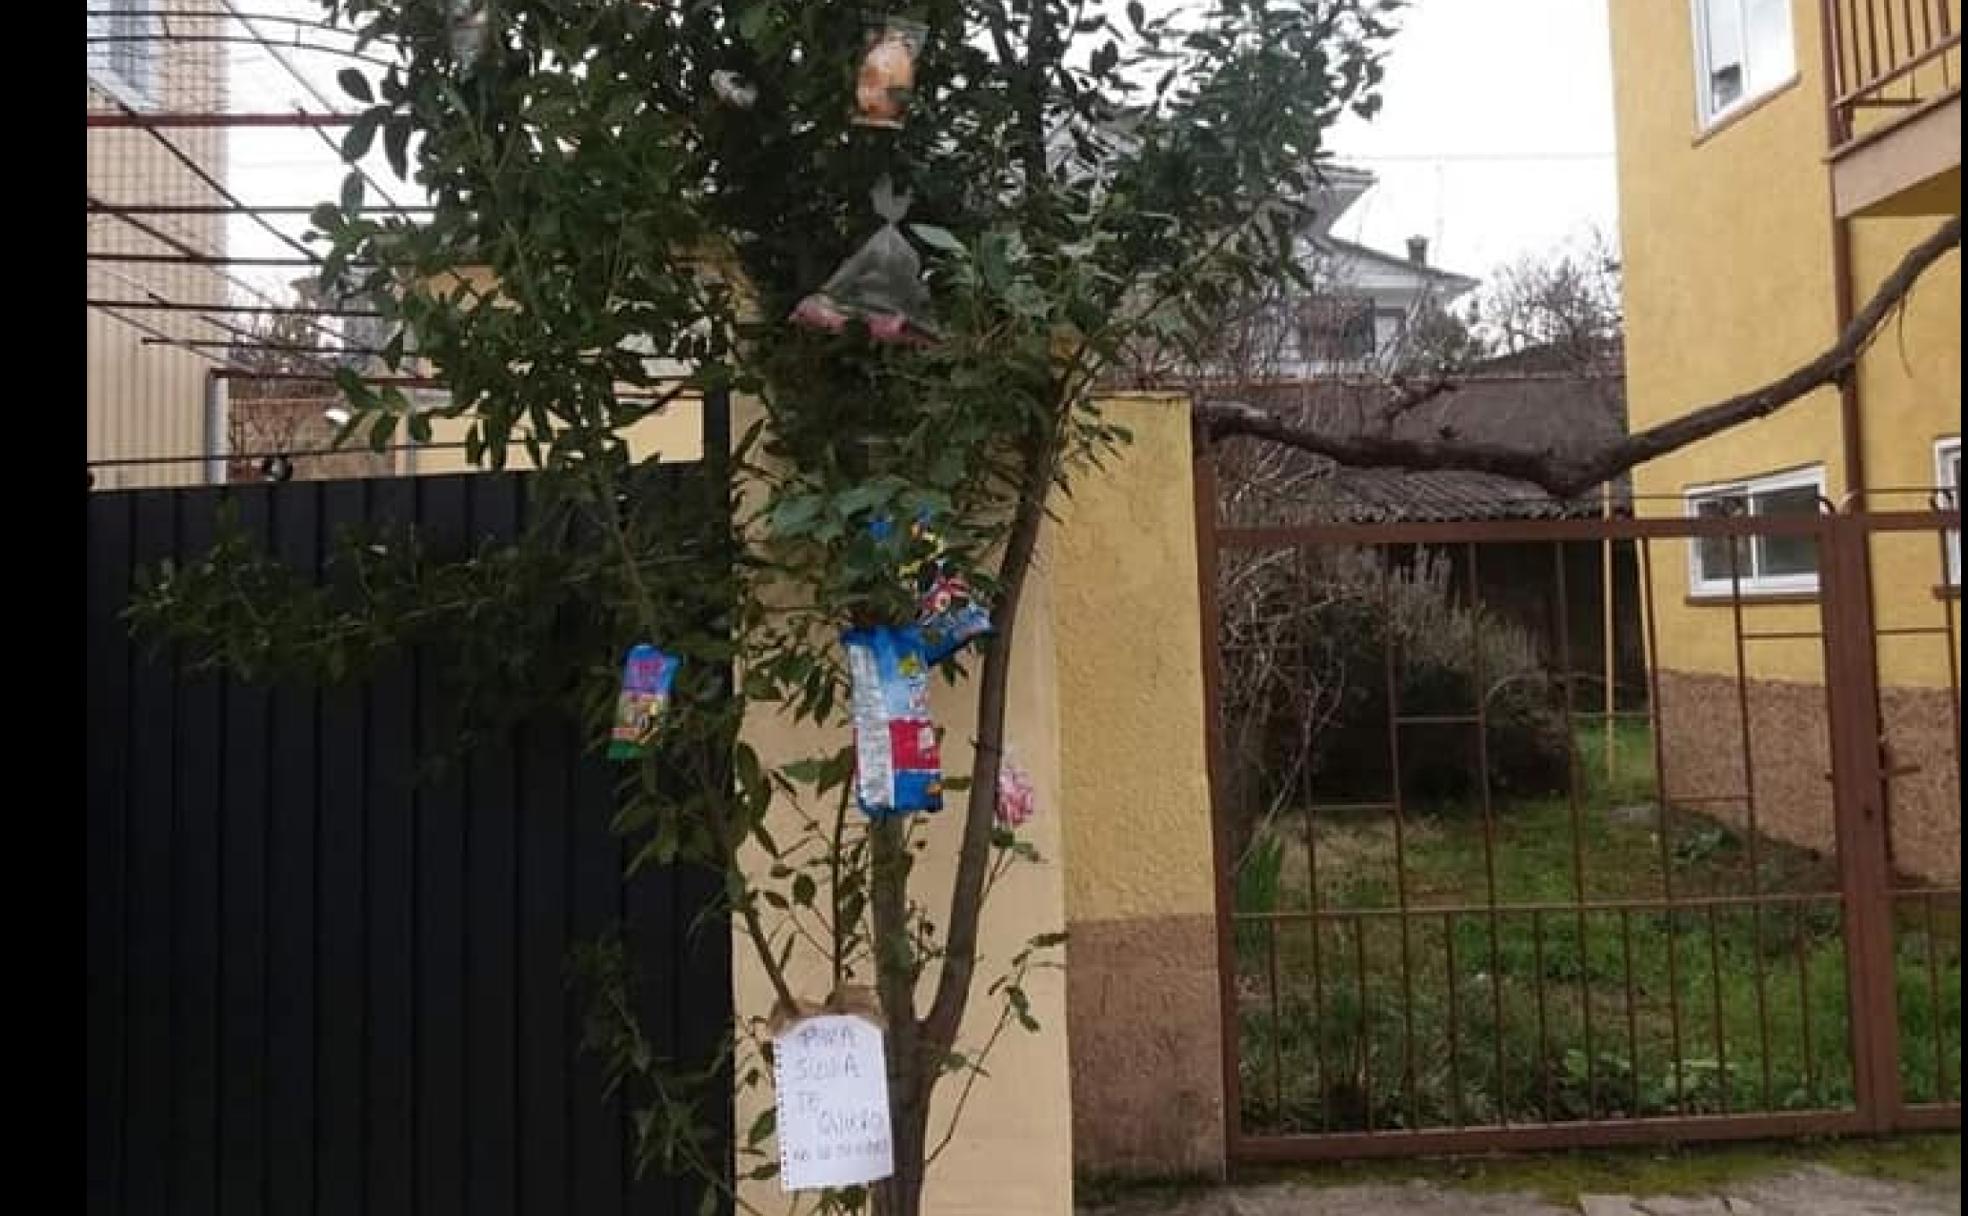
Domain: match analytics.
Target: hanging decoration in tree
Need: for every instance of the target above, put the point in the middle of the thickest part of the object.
(1017, 796)
(733, 90)
(830, 1092)
(898, 764)
(880, 284)
(468, 23)
(948, 613)
(886, 80)
(647, 678)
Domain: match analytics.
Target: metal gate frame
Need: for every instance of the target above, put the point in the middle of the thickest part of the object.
(1861, 778)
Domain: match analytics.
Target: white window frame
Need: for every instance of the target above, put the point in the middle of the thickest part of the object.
(1706, 111)
(137, 94)
(1751, 583)
(1947, 481)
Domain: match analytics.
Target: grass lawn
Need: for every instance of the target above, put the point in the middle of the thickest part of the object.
(1457, 1015)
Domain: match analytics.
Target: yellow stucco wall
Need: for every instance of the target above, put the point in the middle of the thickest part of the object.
(1727, 242)
(675, 434)
(1106, 713)
(1013, 1156)
(1143, 997)
(1130, 678)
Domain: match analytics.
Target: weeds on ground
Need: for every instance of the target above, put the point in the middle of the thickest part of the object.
(1566, 1003)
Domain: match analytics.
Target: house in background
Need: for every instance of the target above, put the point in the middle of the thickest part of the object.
(146, 396)
(1366, 300)
(1777, 158)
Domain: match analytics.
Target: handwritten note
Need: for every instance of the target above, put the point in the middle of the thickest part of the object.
(831, 1083)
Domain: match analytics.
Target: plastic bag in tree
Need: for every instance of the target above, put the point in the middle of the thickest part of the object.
(880, 284)
(468, 21)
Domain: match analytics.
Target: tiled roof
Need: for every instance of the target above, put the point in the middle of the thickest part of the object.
(1562, 414)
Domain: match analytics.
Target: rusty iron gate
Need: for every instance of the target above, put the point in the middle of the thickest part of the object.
(1472, 897)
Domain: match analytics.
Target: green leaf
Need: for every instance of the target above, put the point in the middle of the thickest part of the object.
(753, 20)
(804, 889)
(792, 515)
(355, 84)
(937, 238)
(352, 194)
(396, 144)
(361, 134)
(762, 1127)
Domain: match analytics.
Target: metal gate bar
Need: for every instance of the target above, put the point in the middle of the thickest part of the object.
(1437, 947)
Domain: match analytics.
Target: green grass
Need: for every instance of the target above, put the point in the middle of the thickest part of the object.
(1454, 1016)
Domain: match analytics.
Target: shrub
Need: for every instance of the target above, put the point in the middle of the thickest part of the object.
(1334, 623)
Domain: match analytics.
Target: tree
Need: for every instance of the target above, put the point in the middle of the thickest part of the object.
(284, 409)
(1566, 476)
(1564, 304)
(612, 182)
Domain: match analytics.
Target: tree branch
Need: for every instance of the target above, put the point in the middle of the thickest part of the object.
(1569, 476)
(945, 1016)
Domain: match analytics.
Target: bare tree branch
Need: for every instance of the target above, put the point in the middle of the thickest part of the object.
(1569, 476)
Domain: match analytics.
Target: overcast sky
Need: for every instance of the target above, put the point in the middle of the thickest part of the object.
(1496, 135)
(1495, 139)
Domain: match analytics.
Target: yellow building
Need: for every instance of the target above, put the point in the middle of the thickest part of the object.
(1777, 158)
(147, 396)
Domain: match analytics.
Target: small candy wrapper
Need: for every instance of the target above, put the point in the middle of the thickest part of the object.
(898, 761)
(1016, 795)
(886, 79)
(647, 678)
(948, 614)
(950, 618)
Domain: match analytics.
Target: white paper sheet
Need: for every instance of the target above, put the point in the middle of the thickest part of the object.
(831, 1082)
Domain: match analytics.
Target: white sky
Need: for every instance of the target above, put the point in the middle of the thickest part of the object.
(1495, 139)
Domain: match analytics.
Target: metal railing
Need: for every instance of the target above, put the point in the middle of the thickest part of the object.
(1887, 59)
(1744, 922)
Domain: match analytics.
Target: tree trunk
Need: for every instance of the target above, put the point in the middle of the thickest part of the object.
(909, 1082)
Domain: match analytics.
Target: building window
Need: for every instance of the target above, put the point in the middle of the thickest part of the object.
(1743, 50)
(1760, 565)
(1336, 331)
(123, 50)
(1947, 477)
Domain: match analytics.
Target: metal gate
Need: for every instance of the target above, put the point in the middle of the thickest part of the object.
(1494, 873)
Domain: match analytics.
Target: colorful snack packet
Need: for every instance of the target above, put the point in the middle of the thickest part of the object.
(948, 614)
(950, 618)
(647, 677)
(898, 760)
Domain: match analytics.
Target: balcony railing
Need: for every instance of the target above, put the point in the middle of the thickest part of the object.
(1889, 59)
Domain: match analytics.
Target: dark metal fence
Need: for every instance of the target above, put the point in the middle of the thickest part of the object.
(1488, 907)
(320, 982)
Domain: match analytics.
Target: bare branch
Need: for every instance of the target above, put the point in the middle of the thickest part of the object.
(1569, 476)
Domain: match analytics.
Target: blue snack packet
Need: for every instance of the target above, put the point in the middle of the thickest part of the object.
(898, 766)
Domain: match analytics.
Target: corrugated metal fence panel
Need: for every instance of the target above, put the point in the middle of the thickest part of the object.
(318, 985)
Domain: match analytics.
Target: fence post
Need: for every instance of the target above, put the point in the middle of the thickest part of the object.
(1858, 790)
(1203, 478)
